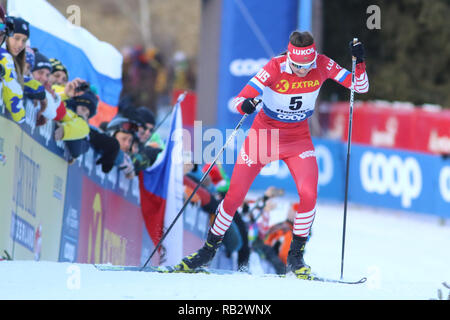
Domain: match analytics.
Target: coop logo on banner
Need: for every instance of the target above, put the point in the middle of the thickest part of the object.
(246, 67)
(392, 175)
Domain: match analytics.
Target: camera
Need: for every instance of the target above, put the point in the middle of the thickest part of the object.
(82, 87)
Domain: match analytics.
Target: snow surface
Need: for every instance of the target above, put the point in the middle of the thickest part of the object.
(403, 255)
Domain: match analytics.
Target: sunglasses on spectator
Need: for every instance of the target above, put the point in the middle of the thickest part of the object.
(7, 27)
(3, 29)
(145, 128)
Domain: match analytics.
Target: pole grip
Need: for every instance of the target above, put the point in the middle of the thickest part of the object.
(355, 41)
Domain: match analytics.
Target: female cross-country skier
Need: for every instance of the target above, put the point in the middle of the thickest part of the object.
(289, 85)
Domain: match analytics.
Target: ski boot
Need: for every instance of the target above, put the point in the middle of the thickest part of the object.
(202, 257)
(295, 262)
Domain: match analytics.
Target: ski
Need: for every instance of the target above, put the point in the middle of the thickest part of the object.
(312, 277)
(170, 269)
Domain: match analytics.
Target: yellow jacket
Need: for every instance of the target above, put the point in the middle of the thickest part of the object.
(74, 126)
(12, 93)
(59, 89)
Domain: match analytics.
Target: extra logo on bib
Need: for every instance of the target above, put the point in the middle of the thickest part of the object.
(285, 86)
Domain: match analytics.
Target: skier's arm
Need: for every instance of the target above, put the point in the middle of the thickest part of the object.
(344, 77)
(255, 86)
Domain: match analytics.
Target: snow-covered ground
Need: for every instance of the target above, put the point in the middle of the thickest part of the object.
(404, 256)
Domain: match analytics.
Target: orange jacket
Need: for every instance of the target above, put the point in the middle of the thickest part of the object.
(281, 232)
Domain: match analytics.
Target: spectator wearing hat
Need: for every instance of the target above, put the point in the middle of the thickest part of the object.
(146, 134)
(123, 130)
(16, 44)
(51, 104)
(54, 109)
(59, 82)
(69, 126)
(42, 68)
(85, 107)
(59, 74)
(142, 155)
(12, 91)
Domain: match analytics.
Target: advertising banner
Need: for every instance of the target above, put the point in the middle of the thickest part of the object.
(10, 139)
(110, 228)
(33, 190)
(102, 217)
(379, 177)
(384, 125)
(395, 179)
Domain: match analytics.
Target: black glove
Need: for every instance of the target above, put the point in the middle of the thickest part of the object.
(249, 105)
(106, 145)
(357, 50)
(151, 154)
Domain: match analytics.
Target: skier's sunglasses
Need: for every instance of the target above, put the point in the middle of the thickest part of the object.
(301, 66)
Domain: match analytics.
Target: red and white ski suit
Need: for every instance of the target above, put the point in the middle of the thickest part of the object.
(280, 132)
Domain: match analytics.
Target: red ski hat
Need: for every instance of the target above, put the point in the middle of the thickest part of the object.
(302, 55)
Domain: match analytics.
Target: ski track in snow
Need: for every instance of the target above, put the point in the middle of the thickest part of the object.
(403, 255)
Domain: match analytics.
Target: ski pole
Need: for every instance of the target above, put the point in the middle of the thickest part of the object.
(349, 139)
(195, 190)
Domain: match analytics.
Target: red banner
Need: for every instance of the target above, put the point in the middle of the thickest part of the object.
(384, 125)
(110, 227)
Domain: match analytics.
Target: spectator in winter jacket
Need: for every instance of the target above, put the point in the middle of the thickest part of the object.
(123, 130)
(106, 148)
(12, 90)
(143, 156)
(55, 108)
(51, 104)
(24, 62)
(85, 107)
(16, 45)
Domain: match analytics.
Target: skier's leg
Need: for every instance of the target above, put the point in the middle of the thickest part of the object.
(245, 171)
(304, 170)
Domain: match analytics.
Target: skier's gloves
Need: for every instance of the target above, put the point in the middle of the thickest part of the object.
(357, 50)
(249, 105)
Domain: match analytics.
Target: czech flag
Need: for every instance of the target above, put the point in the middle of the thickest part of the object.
(161, 190)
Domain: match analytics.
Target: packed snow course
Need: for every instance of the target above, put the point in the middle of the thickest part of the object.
(403, 255)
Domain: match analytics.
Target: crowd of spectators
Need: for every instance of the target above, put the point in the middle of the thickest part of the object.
(128, 141)
(31, 78)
